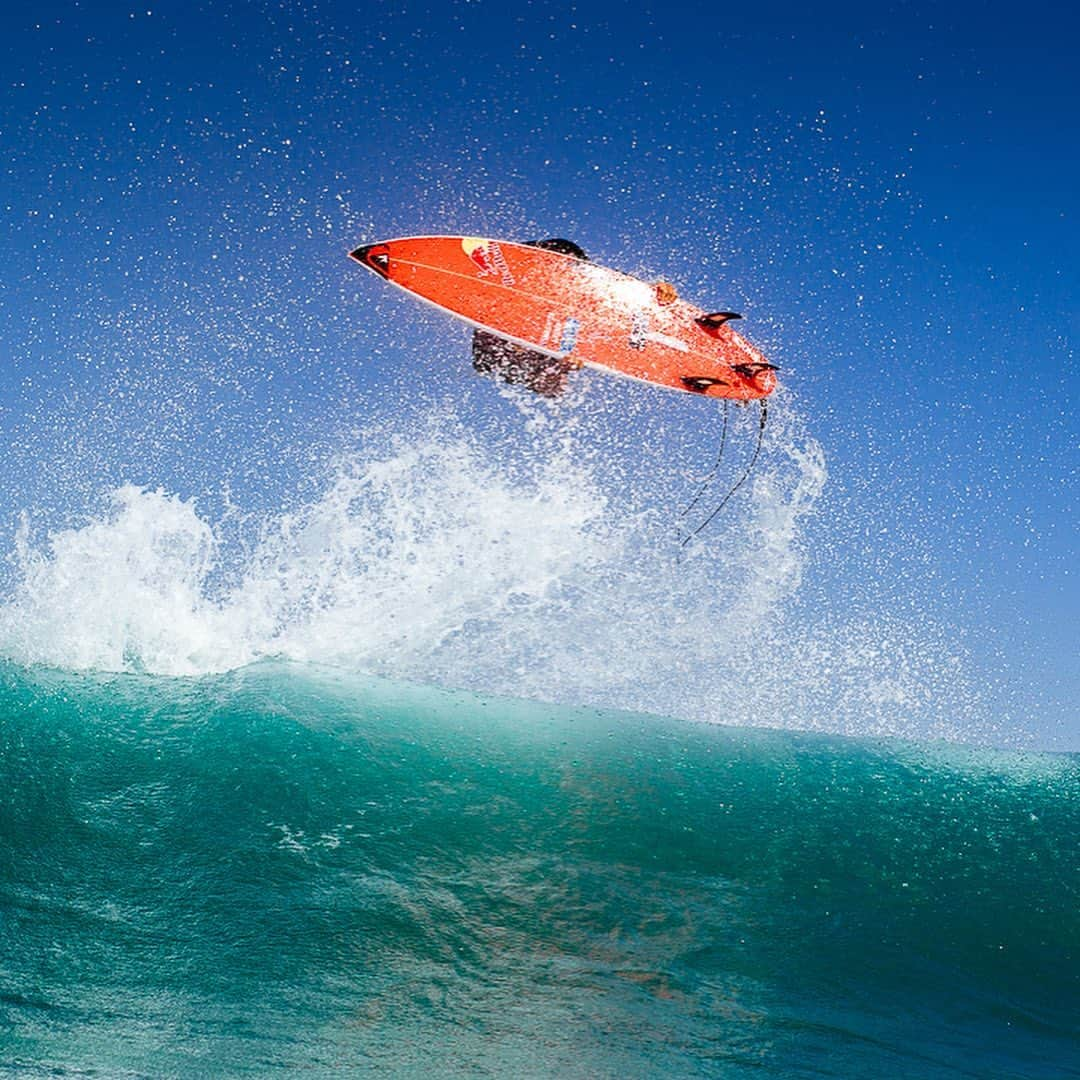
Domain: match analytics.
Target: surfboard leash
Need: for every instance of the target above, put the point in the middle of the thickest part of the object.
(716, 465)
(742, 479)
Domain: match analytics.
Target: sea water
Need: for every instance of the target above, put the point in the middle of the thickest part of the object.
(287, 868)
(459, 767)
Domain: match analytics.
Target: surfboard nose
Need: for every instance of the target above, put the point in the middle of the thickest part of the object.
(374, 256)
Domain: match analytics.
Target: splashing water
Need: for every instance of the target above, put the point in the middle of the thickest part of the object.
(433, 559)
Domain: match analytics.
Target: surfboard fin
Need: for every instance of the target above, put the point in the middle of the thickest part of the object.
(750, 370)
(717, 319)
(700, 383)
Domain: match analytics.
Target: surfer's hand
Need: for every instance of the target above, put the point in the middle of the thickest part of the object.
(666, 293)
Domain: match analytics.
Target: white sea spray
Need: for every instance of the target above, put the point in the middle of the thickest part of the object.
(547, 575)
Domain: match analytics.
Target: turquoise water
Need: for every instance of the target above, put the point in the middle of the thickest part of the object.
(287, 869)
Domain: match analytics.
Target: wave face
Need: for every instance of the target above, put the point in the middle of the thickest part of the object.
(378, 781)
(291, 868)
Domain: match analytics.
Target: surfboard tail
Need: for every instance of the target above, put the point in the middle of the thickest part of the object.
(756, 380)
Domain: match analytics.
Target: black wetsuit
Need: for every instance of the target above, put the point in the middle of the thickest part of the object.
(543, 374)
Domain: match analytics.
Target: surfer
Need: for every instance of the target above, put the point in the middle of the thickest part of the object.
(544, 375)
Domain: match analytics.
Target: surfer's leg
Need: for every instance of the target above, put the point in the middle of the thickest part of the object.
(493, 355)
(544, 375)
(549, 377)
(485, 351)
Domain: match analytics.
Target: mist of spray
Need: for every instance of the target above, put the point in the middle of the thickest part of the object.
(541, 570)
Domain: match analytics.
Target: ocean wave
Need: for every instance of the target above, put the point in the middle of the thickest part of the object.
(301, 867)
(535, 570)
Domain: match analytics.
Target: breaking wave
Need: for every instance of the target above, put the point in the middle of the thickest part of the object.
(538, 570)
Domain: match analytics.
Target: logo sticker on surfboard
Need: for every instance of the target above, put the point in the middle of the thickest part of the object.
(569, 335)
(488, 257)
(560, 333)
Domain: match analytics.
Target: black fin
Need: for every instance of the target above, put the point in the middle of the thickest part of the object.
(748, 371)
(717, 319)
(701, 383)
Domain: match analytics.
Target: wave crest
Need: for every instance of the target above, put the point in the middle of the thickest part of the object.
(437, 558)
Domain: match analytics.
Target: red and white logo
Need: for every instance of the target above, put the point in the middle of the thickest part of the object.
(488, 256)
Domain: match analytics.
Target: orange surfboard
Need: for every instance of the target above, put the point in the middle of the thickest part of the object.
(568, 308)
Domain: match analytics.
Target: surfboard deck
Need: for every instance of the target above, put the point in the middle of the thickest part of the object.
(572, 309)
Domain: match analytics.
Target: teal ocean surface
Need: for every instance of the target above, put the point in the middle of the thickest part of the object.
(290, 870)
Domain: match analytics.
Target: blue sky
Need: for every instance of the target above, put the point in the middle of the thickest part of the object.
(888, 192)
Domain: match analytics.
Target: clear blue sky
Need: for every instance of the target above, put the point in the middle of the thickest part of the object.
(888, 192)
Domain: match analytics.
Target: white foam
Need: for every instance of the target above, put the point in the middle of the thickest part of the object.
(434, 559)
